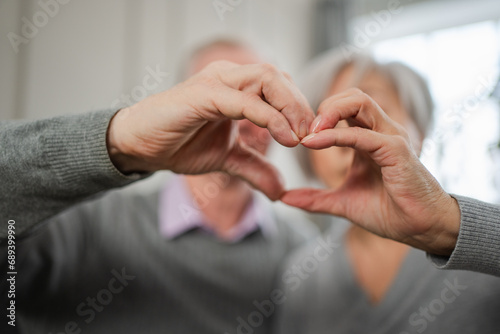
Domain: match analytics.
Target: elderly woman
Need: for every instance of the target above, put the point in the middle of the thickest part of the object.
(369, 284)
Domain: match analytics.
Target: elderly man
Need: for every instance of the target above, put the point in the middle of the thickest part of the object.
(200, 256)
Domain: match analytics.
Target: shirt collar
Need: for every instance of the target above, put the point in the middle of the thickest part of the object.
(179, 213)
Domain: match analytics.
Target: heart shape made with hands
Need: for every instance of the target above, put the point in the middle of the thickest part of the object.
(383, 187)
(370, 133)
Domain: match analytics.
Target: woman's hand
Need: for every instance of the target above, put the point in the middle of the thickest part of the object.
(388, 191)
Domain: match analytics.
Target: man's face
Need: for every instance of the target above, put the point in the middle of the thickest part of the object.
(252, 135)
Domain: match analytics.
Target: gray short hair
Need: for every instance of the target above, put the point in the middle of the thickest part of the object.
(189, 54)
(412, 88)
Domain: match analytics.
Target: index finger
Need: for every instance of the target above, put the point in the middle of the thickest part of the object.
(276, 89)
(357, 108)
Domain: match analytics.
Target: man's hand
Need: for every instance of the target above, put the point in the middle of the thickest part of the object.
(388, 191)
(189, 129)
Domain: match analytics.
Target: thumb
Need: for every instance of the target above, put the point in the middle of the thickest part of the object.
(317, 200)
(253, 167)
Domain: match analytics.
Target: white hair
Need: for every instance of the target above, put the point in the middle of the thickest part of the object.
(412, 89)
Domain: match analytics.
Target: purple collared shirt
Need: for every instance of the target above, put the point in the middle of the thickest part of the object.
(179, 213)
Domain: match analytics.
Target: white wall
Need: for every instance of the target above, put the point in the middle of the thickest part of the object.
(90, 52)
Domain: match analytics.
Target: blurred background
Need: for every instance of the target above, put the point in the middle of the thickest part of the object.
(70, 56)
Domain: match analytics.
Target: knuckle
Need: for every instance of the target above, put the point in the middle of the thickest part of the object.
(367, 100)
(269, 72)
(266, 67)
(218, 65)
(400, 143)
(252, 100)
(287, 75)
(277, 123)
(357, 131)
(206, 81)
(401, 131)
(356, 91)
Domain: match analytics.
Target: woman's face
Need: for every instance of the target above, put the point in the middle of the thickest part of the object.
(332, 165)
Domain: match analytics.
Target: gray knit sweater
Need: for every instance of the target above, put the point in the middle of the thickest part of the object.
(104, 267)
(478, 244)
(48, 165)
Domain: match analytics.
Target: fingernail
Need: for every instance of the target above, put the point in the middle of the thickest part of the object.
(308, 138)
(294, 136)
(316, 122)
(302, 129)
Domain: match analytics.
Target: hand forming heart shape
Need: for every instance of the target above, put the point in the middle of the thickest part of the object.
(190, 129)
(387, 191)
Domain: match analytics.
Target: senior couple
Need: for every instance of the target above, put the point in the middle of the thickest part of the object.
(200, 254)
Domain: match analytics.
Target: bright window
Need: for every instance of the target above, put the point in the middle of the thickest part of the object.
(462, 67)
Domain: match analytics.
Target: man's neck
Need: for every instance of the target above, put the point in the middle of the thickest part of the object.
(221, 198)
